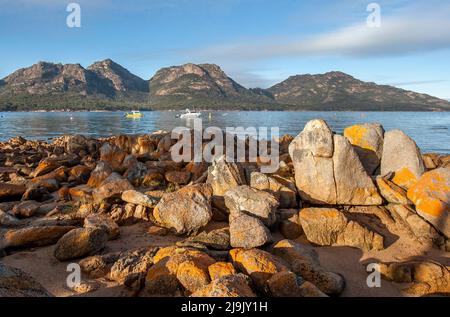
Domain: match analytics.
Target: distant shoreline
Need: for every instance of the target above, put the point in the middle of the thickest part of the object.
(216, 110)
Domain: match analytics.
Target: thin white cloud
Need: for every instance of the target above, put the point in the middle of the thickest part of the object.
(396, 36)
(412, 29)
(418, 82)
(251, 79)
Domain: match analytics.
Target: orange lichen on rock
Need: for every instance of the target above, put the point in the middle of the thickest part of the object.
(259, 264)
(220, 269)
(320, 212)
(167, 252)
(404, 178)
(160, 281)
(431, 194)
(189, 267)
(356, 134)
(392, 192)
(193, 274)
(81, 192)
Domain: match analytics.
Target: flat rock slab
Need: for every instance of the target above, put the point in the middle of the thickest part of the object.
(328, 226)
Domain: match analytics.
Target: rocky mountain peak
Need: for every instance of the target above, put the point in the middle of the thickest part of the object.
(337, 74)
(340, 91)
(48, 78)
(202, 79)
(121, 79)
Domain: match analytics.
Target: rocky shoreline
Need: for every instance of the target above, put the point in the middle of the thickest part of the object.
(140, 224)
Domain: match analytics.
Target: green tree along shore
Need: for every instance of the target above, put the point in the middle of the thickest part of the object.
(76, 103)
(68, 102)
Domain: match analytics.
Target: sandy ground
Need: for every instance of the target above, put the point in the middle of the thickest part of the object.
(350, 262)
(46, 269)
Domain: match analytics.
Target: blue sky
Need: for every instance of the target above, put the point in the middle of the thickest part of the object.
(257, 42)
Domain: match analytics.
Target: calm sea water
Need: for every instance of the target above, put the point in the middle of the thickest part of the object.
(431, 130)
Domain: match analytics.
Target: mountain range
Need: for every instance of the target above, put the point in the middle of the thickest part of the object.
(109, 86)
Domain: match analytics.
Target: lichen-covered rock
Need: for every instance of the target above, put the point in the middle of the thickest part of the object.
(81, 193)
(59, 174)
(396, 272)
(99, 174)
(431, 278)
(402, 157)
(16, 283)
(79, 174)
(166, 252)
(80, 242)
(291, 227)
(419, 227)
(219, 269)
(316, 137)
(33, 236)
(178, 177)
(391, 192)
(113, 186)
(138, 198)
(288, 284)
(258, 264)
(284, 284)
(103, 222)
(86, 287)
(218, 239)
(285, 192)
(248, 232)
(9, 191)
(50, 184)
(236, 285)
(431, 160)
(253, 202)
(312, 155)
(177, 270)
(152, 178)
(100, 265)
(186, 210)
(76, 144)
(113, 155)
(136, 262)
(353, 185)
(36, 192)
(45, 166)
(223, 176)
(160, 282)
(304, 261)
(26, 209)
(431, 195)
(135, 170)
(427, 277)
(328, 170)
(192, 271)
(8, 220)
(196, 170)
(327, 226)
(367, 139)
(129, 214)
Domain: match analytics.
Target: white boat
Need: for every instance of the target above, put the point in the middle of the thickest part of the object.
(190, 115)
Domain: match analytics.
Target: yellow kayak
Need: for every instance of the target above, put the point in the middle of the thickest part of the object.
(134, 114)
